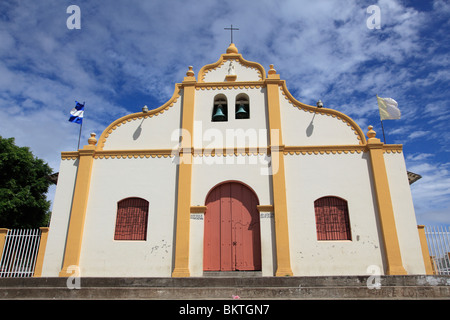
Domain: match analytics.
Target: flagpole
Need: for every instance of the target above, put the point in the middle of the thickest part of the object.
(81, 126)
(79, 135)
(382, 129)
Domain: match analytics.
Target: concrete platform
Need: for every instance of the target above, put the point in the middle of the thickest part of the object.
(226, 287)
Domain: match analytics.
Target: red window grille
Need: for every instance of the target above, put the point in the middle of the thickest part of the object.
(131, 221)
(332, 221)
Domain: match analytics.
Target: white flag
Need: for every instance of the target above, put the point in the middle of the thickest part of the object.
(388, 109)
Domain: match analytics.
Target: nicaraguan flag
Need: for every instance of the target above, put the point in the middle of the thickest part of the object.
(388, 108)
(76, 114)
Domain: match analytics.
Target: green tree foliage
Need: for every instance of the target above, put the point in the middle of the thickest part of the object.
(23, 186)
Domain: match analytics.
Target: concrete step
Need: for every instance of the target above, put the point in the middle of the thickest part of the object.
(232, 274)
(226, 293)
(228, 281)
(346, 287)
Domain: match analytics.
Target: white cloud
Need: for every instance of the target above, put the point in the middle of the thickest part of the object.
(435, 216)
(418, 134)
(431, 193)
(419, 156)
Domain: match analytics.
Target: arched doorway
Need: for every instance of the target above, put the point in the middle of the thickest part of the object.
(232, 230)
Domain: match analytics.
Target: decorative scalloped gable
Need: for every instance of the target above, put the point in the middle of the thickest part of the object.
(232, 70)
(232, 67)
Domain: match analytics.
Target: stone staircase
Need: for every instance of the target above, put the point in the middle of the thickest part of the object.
(227, 287)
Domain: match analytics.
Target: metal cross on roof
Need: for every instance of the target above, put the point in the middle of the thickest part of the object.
(231, 31)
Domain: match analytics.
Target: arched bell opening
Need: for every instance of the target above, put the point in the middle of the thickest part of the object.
(242, 106)
(220, 108)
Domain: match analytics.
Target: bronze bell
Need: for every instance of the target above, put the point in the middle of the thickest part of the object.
(241, 113)
(219, 115)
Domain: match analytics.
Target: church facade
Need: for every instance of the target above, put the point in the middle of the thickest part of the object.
(233, 174)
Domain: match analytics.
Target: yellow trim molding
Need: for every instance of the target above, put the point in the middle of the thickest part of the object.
(3, 233)
(181, 268)
(129, 154)
(78, 213)
(278, 177)
(324, 149)
(265, 208)
(385, 208)
(425, 253)
(211, 152)
(229, 86)
(69, 155)
(198, 209)
(339, 149)
(392, 148)
(41, 253)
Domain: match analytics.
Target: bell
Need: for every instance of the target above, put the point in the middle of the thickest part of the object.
(241, 113)
(219, 115)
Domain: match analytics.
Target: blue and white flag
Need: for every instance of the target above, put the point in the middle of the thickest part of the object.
(76, 114)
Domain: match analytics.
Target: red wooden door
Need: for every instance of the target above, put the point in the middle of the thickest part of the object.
(232, 233)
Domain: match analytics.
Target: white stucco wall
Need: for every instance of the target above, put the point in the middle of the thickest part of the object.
(405, 218)
(56, 241)
(234, 132)
(243, 73)
(153, 179)
(304, 128)
(309, 177)
(268, 244)
(250, 170)
(155, 132)
(196, 233)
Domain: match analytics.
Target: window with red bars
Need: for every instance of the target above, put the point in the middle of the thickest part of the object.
(131, 221)
(332, 221)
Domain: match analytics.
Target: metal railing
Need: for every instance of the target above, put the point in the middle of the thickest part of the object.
(438, 240)
(19, 253)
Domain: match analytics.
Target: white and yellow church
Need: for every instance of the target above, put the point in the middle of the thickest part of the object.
(233, 174)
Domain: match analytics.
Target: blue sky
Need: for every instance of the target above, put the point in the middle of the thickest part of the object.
(128, 54)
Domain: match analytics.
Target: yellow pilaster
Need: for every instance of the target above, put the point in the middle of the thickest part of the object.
(79, 205)
(3, 233)
(41, 252)
(385, 208)
(278, 175)
(181, 268)
(425, 252)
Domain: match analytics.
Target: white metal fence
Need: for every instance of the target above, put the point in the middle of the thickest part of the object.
(19, 253)
(438, 240)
